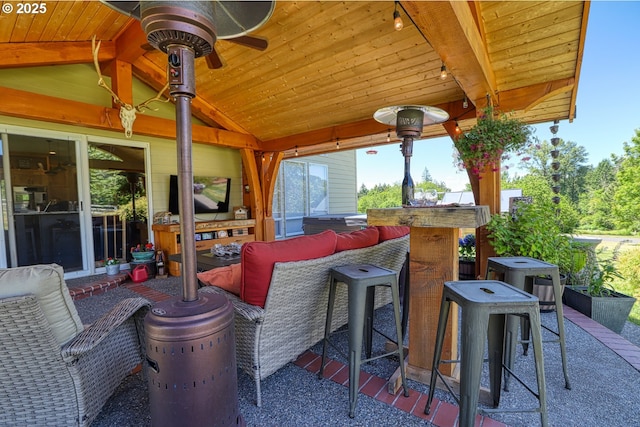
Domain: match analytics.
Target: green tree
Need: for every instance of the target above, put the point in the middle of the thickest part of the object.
(597, 201)
(381, 196)
(626, 207)
(573, 168)
(426, 176)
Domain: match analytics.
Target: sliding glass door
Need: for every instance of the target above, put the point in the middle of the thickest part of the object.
(41, 208)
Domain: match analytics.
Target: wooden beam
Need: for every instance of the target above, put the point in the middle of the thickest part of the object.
(129, 44)
(583, 36)
(360, 134)
(17, 103)
(122, 82)
(250, 168)
(451, 29)
(52, 53)
(526, 98)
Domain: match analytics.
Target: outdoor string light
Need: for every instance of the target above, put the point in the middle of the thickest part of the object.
(397, 20)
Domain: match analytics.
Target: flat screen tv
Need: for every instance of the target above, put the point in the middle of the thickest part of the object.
(210, 194)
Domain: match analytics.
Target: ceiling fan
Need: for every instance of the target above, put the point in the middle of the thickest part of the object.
(227, 25)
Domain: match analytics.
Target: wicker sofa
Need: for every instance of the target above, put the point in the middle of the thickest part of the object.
(53, 370)
(294, 312)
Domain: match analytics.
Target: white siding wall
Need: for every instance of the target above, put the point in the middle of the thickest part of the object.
(343, 194)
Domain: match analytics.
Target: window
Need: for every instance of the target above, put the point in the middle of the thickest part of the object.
(301, 190)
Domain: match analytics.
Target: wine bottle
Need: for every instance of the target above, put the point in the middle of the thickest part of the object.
(407, 182)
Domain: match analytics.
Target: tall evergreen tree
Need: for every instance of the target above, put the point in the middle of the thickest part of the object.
(626, 207)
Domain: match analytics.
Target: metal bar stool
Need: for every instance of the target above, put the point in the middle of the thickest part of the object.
(519, 272)
(361, 280)
(404, 289)
(484, 305)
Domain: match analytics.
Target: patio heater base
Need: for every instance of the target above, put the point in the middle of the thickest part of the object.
(191, 363)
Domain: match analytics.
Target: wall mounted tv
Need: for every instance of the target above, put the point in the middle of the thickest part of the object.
(210, 194)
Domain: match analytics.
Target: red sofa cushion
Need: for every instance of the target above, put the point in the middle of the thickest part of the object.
(227, 278)
(357, 239)
(389, 232)
(258, 259)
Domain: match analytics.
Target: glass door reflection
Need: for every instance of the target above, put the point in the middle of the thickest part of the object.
(44, 200)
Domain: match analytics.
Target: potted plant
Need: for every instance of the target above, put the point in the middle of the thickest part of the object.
(143, 252)
(112, 265)
(467, 257)
(495, 137)
(592, 293)
(531, 230)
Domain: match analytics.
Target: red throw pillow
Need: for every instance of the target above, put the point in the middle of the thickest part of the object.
(258, 259)
(227, 278)
(388, 232)
(357, 239)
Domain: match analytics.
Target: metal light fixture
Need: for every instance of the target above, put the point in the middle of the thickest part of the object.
(397, 20)
(457, 127)
(465, 102)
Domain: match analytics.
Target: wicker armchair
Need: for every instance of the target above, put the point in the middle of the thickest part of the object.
(44, 381)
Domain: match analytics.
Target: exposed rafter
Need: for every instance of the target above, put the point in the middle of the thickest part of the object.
(451, 29)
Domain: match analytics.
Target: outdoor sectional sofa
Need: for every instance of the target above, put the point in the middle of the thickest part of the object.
(282, 303)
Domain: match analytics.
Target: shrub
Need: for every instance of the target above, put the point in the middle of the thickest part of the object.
(629, 266)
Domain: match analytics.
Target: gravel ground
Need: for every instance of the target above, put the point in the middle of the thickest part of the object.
(605, 388)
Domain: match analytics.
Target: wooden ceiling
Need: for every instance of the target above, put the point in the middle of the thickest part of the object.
(330, 65)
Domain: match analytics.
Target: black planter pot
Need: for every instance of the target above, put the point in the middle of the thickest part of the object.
(466, 269)
(610, 311)
(543, 289)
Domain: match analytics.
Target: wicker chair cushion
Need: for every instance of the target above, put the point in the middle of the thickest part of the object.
(258, 259)
(47, 283)
(390, 232)
(357, 239)
(227, 278)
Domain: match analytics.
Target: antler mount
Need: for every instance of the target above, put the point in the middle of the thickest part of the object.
(127, 111)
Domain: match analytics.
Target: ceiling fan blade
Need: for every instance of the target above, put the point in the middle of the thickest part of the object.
(214, 61)
(253, 42)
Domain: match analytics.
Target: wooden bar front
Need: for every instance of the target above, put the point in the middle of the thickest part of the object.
(433, 260)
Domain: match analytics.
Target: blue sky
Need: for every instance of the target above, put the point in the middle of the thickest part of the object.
(607, 112)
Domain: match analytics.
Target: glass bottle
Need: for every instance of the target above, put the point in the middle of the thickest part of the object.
(407, 182)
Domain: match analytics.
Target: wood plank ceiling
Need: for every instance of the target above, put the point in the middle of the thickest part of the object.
(330, 65)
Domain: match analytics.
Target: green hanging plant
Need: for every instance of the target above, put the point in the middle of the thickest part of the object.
(494, 138)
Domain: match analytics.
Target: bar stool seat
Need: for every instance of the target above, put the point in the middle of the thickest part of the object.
(484, 305)
(361, 280)
(519, 272)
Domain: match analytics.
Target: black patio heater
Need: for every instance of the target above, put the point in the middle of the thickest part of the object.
(190, 342)
(409, 121)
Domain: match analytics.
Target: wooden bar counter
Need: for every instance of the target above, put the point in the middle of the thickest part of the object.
(433, 260)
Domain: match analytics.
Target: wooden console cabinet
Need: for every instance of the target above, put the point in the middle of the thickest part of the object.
(208, 233)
